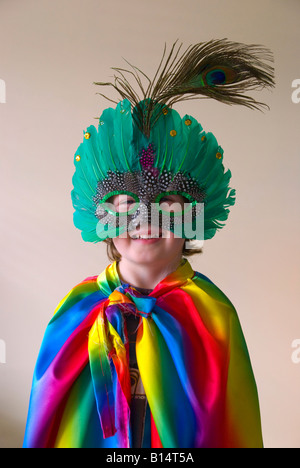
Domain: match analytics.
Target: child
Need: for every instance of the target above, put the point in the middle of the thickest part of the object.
(150, 353)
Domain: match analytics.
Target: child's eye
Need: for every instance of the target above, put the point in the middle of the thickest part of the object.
(125, 204)
(127, 201)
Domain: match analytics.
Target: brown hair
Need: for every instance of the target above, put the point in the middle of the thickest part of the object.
(114, 255)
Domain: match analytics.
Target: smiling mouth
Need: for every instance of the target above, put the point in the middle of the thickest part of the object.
(147, 235)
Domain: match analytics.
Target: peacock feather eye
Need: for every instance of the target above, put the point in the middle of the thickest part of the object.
(220, 76)
(216, 77)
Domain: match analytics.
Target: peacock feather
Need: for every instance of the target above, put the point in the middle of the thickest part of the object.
(217, 69)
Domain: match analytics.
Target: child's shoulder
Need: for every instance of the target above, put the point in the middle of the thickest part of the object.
(211, 288)
(90, 278)
(203, 277)
(79, 291)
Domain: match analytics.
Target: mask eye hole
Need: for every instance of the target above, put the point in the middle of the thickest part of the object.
(120, 203)
(174, 203)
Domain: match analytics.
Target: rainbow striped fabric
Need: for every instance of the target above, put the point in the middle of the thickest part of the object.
(191, 354)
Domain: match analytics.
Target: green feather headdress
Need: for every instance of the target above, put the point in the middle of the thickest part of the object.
(182, 156)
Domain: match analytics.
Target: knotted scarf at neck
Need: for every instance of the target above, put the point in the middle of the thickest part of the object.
(191, 354)
(108, 342)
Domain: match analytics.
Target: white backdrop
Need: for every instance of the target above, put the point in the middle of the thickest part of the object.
(51, 53)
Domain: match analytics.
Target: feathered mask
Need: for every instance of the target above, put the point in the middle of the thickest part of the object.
(145, 151)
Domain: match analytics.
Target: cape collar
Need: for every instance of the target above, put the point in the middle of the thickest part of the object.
(109, 279)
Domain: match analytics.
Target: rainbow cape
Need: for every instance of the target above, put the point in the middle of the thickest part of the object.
(192, 357)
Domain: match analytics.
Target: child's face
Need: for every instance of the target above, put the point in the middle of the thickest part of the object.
(161, 250)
